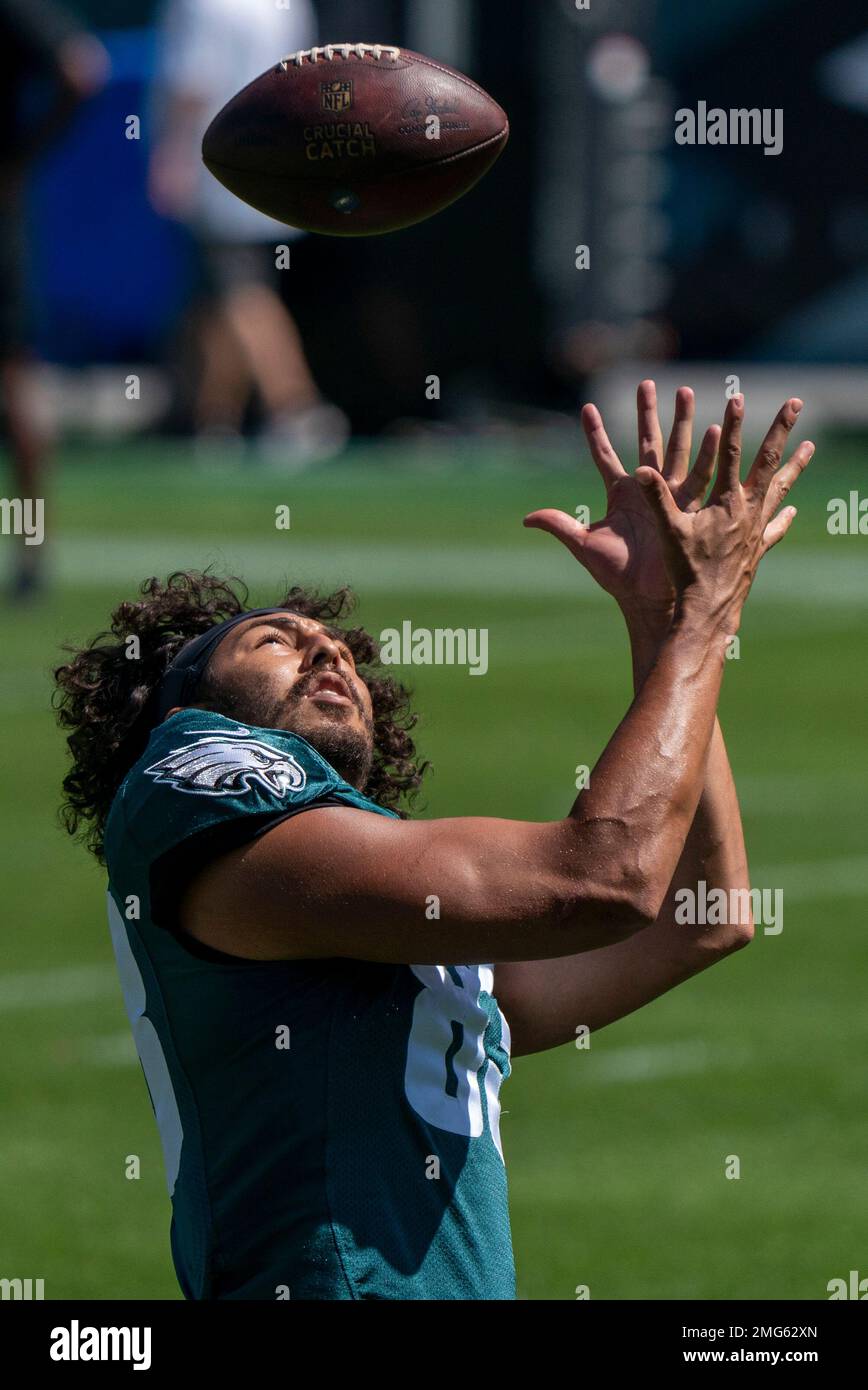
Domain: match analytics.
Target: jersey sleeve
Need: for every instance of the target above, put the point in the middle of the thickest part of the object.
(205, 786)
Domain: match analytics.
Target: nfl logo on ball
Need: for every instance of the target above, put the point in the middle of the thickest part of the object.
(337, 96)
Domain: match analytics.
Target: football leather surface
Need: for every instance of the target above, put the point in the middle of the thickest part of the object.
(355, 139)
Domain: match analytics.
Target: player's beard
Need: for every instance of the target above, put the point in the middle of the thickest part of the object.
(348, 748)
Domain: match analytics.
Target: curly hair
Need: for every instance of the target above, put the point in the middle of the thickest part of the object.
(107, 700)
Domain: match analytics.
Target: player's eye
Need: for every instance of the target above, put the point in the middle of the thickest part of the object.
(272, 637)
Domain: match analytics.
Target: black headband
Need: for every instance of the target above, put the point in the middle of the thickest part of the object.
(181, 678)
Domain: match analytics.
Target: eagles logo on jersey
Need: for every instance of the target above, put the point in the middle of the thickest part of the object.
(219, 766)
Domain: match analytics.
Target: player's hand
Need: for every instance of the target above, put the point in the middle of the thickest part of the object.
(623, 552)
(712, 553)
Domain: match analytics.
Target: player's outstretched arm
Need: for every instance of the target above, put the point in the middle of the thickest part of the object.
(340, 882)
(545, 1001)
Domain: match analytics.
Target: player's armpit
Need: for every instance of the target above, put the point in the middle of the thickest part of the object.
(339, 882)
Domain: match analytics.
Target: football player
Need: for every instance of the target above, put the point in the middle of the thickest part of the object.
(324, 992)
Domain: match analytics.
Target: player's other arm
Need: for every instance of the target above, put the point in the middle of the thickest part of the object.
(341, 882)
(547, 1001)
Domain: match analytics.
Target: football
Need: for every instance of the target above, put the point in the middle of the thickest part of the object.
(355, 139)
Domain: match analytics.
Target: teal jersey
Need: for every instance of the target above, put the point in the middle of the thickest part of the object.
(329, 1127)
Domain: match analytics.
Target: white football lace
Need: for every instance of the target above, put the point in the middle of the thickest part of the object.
(361, 50)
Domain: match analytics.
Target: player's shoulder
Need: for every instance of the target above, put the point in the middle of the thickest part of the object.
(200, 753)
(200, 769)
(197, 753)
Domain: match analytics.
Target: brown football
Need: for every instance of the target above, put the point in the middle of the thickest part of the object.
(355, 139)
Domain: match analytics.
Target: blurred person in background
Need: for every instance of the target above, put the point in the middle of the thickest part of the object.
(246, 337)
(48, 66)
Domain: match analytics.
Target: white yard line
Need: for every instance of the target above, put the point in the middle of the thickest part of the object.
(820, 878)
(657, 1061)
(61, 985)
(109, 1051)
(806, 578)
(653, 1062)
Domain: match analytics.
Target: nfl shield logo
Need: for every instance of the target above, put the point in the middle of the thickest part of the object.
(337, 96)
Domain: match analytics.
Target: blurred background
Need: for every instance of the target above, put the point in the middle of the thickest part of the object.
(712, 255)
(165, 387)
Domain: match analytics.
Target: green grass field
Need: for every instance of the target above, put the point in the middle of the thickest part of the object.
(615, 1156)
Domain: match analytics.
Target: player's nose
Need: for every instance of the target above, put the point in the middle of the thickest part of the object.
(322, 650)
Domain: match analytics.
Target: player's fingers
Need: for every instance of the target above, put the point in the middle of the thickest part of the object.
(771, 451)
(650, 433)
(562, 526)
(729, 452)
(692, 492)
(778, 528)
(676, 464)
(786, 478)
(659, 498)
(609, 466)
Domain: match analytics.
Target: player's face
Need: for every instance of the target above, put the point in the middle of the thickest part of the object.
(288, 672)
